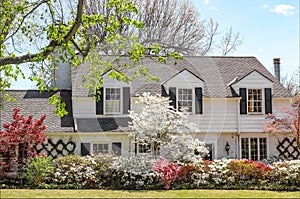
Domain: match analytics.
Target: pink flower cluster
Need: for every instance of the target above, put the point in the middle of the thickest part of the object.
(169, 171)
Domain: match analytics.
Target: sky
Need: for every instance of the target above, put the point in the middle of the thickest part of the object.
(269, 29)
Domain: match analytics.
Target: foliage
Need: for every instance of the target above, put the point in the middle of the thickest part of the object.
(169, 171)
(20, 137)
(38, 171)
(157, 121)
(289, 123)
(246, 169)
(80, 172)
(286, 173)
(184, 148)
(43, 34)
(134, 173)
(143, 173)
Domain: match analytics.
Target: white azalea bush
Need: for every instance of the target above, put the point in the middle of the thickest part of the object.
(134, 173)
(212, 172)
(81, 172)
(286, 173)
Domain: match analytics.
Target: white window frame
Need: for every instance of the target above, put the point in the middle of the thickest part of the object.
(143, 153)
(258, 146)
(262, 101)
(108, 149)
(121, 101)
(193, 99)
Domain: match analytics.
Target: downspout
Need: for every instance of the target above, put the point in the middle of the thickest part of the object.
(238, 129)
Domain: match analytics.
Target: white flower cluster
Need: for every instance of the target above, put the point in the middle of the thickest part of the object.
(77, 171)
(288, 171)
(216, 172)
(158, 121)
(184, 148)
(135, 172)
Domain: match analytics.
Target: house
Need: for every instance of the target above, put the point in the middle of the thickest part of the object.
(226, 97)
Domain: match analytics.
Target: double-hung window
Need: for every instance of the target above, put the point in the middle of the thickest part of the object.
(185, 99)
(112, 100)
(254, 100)
(254, 148)
(100, 148)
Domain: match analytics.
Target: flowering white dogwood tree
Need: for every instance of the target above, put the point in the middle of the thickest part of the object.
(165, 129)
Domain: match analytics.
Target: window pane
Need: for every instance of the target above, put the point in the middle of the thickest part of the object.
(262, 148)
(254, 101)
(113, 100)
(254, 149)
(185, 99)
(100, 148)
(245, 148)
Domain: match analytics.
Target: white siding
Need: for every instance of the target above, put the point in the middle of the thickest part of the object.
(109, 82)
(253, 80)
(219, 115)
(184, 80)
(84, 107)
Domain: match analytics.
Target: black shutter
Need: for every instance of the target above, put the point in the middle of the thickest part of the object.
(163, 91)
(85, 149)
(126, 100)
(243, 103)
(198, 101)
(268, 100)
(117, 148)
(99, 103)
(172, 93)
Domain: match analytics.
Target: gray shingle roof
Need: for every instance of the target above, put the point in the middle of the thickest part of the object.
(102, 124)
(216, 71)
(32, 102)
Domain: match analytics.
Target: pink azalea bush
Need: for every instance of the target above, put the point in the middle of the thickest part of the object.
(169, 171)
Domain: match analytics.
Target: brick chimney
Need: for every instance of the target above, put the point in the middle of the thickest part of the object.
(277, 68)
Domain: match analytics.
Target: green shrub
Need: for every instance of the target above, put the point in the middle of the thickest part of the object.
(38, 171)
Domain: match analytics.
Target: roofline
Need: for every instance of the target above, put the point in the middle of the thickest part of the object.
(185, 69)
(250, 73)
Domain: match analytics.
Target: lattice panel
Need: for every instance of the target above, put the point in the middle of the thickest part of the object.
(60, 148)
(288, 149)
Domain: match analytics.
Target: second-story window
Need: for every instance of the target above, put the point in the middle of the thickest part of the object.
(112, 100)
(185, 99)
(254, 101)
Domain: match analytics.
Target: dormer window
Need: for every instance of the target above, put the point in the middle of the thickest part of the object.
(112, 100)
(254, 100)
(185, 99)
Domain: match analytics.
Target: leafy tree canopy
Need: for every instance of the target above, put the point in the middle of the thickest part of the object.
(40, 33)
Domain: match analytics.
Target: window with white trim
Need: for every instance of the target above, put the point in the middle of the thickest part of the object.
(112, 100)
(255, 101)
(144, 148)
(185, 99)
(254, 148)
(99, 148)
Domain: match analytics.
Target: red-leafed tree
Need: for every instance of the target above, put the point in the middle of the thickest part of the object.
(20, 137)
(289, 123)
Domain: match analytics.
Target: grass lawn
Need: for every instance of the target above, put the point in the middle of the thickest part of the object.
(56, 193)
